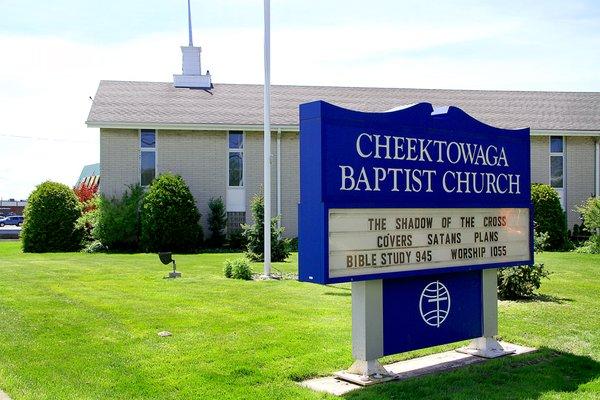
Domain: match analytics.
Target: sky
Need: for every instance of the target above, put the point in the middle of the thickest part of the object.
(54, 53)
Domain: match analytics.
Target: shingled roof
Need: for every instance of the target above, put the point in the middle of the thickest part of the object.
(121, 103)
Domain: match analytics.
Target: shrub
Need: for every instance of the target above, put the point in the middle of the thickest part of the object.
(236, 239)
(580, 234)
(540, 241)
(94, 247)
(88, 220)
(170, 218)
(50, 219)
(254, 234)
(118, 220)
(86, 194)
(520, 282)
(591, 246)
(549, 216)
(237, 269)
(590, 211)
(227, 268)
(217, 221)
(294, 244)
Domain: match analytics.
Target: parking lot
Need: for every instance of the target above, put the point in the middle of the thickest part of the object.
(9, 232)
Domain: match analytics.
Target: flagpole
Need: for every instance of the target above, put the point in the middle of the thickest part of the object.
(267, 139)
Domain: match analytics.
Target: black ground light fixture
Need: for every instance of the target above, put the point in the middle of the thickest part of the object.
(166, 258)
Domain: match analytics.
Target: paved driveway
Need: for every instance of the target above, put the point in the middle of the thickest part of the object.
(9, 232)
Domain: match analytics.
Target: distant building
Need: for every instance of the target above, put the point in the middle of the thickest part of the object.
(211, 135)
(12, 207)
(90, 176)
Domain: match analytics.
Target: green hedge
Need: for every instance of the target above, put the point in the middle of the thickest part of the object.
(170, 219)
(549, 216)
(50, 219)
(117, 224)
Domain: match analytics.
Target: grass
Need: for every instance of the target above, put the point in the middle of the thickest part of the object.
(84, 326)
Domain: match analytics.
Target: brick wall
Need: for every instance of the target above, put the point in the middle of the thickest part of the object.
(253, 182)
(579, 176)
(540, 159)
(290, 182)
(290, 176)
(200, 158)
(119, 160)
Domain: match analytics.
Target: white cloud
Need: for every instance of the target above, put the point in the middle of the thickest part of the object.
(45, 81)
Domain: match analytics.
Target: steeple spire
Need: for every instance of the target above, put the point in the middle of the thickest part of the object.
(191, 41)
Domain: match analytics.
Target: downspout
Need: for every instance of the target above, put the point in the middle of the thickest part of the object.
(279, 177)
(597, 172)
(597, 167)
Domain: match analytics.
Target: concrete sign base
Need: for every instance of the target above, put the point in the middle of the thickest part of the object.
(486, 347)
(338, 385)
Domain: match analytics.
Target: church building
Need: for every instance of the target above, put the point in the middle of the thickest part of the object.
(211, 134)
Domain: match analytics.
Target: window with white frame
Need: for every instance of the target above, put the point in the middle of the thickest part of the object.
(147, 156)
(557, 166)
(557, 162)
(236, 159)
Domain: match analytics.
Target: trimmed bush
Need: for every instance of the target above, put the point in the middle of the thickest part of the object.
(254, 234)
(549, 216)
(117, 224)
(237, 269)
(217, 222)
(50, 219)
(170, 218)
(520, 282)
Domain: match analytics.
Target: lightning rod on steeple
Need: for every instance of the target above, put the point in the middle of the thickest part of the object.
(190, 24)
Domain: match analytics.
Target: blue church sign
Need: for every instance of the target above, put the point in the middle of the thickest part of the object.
(410, 192)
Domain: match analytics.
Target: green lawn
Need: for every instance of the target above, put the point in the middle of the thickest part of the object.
(83, 326)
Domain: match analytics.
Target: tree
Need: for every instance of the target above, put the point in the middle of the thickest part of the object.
(254, 234)
(170, 218)
(217, 221)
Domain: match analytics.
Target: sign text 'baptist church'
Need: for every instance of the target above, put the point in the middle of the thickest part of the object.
(398, 179)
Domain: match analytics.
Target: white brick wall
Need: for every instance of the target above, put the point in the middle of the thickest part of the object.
(290, 177)
(119, 160)
(579, 174)
(290, 182)
(540, 159)
(200, 158)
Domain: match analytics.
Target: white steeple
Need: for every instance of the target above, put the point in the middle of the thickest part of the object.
(191, 76)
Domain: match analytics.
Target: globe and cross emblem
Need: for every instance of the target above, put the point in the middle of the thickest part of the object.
(434, 304)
